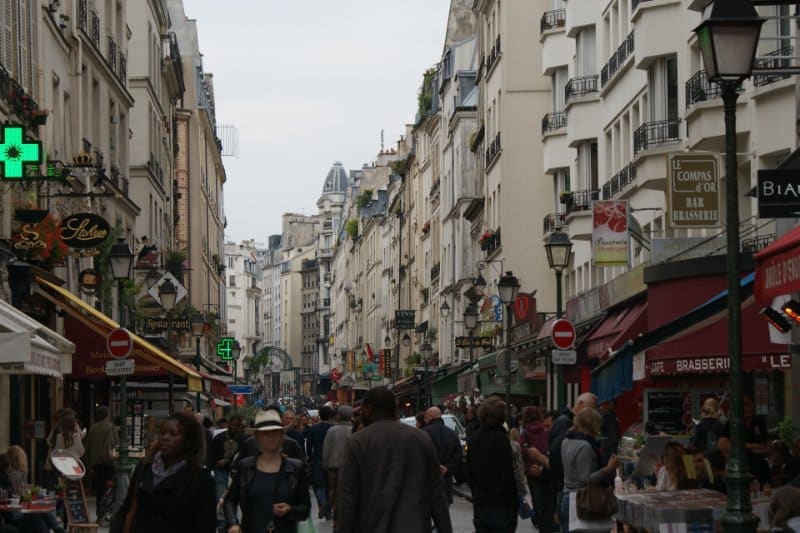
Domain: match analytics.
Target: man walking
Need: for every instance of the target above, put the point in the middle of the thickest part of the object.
(389, 480)
(316, 440)
(332, 450)
(448, 448)
(100, 442)
(490, 470)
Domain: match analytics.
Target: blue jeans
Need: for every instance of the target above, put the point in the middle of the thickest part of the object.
(563, 513)
(494, 519)
(319, 481)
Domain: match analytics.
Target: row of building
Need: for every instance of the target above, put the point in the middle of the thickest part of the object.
(545, 117)
(129, 160)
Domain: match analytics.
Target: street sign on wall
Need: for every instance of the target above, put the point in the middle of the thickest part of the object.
(404, 319)
(778, 193)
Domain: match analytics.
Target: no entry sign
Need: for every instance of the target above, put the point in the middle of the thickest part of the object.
(563, 334)
(119, 343)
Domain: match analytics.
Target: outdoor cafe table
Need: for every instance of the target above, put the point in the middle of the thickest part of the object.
(681, 510)
(36, 508)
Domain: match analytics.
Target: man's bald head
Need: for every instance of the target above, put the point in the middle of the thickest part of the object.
(587, 399)
(432, 414)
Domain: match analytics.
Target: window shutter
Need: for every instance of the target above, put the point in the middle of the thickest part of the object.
(23, 54)
(33, 62)
(7, 46)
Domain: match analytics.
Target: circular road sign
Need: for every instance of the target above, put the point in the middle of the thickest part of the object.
(119, 343)
(563, 334)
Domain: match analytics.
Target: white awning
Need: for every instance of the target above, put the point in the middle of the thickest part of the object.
(29, 347)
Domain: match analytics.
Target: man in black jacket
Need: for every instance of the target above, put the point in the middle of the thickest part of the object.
(448, 448)
(490, 471)
(316, 438)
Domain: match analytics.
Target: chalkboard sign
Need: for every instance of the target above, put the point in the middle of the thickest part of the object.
(75, 502)
(669, 410)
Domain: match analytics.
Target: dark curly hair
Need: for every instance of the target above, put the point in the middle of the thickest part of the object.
(193, 438)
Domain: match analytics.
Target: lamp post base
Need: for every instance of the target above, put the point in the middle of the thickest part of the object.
(738, 517)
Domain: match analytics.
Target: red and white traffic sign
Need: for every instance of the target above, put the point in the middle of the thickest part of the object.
(119, 343)
(563, 334)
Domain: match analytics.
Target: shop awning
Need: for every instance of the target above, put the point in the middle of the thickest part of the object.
(617, 328)
(614, 377)
(778, 267)
(29, 347)
(101, 325)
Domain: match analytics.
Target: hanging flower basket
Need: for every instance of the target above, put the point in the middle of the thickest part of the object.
(486, 239)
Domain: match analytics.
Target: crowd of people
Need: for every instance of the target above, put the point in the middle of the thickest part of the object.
(369, 472)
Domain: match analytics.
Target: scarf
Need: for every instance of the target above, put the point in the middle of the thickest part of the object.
(600, 457)
(160, 473)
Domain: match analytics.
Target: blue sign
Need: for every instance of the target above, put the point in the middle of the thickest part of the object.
(240, 389)
(497, 307)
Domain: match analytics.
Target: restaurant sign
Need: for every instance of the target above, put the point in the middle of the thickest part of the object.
(474, 342)
(717, 364)
(84, 230)
(693, 190)
(159, 325)
(778, 193)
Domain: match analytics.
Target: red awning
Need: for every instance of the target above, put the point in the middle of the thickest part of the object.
(778, 267)
(704, 351)
(218, 387)
(616, 329)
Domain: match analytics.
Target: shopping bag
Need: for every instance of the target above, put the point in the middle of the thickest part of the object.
(306, 526)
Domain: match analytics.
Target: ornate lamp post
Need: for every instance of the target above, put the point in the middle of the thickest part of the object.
(471, 322)
(425, 351)
(509, 289)
(728, 37)
(559, 248)
(198, 326)
(121, 258)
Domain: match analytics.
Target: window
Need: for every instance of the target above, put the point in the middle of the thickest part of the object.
(587, 166)
(232, 281)
(559, 80)
(663, 89)
(585, 52)
(231, 262)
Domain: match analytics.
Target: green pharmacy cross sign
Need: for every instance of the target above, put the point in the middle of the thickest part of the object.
(16, 154)
(224, 348)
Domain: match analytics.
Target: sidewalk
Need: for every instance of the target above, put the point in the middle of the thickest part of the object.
(463, 491)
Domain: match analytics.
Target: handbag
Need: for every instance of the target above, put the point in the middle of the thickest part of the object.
(525, 511)
(595, 503)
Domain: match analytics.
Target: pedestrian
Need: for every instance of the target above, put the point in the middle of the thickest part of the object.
(172, 492)
(709, 429)
(533, 440)
(610, 430)
(70, 435)
(316, 441)
(558, 431)
(584, 463)
(490, 471)
(18, 473)
(332, 450)
(389, 479)
(271, 489)
(226, 445)
(471, 423)
(448, 448)
(101, 441)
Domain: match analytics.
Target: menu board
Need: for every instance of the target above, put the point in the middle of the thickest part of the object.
(669, 410)
(75, 502)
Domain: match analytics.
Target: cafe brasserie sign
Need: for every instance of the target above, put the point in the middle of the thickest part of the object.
(84, 230)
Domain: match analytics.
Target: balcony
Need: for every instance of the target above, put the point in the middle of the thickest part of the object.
(635, 4)
(617, 60)
(699, 89)
(580, 200)
(490, 241)
(652, 134)
(619, 181)
(95, 30)
(435, 272)
(172, 59)
(123, 68)
(556, 18)
(552, 122)
(494, 54)
(493, 151)
(325, 252)
(554, 222)
(435, 188)
(82, 16)
(323, 303)
(112, 54)
(773, 60)
(581, 86)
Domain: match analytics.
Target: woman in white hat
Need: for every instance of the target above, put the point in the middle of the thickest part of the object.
(271, 489)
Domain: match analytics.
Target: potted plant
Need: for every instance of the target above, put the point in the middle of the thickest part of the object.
(39, 117)
(486, 238)
(565, 197)
(426, 227)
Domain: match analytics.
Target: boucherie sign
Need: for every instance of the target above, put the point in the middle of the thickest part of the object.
(84, 230)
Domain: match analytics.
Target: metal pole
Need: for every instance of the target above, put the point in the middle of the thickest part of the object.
(425, 388)
(508, 363)
(122, 459)
(561, 387)
(470, 344)
(738, 516)
(197, 360)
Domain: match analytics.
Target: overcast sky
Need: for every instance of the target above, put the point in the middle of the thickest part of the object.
(307, 83)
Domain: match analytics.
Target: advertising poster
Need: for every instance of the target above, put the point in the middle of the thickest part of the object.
(610, 237)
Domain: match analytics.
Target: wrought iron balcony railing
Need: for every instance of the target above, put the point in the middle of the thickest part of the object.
(554, 122)
(554, 222)
(494, 53)
(619, 181)
(493, 150)
(556, 18)
(581, 200)
(82, 15)
(95, 29)
(112, 54)
(775, 59)
(580, 86)
(651, 134)
(699, 89)
(617, 59)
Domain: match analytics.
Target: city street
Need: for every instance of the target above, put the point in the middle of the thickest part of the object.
(460, 514)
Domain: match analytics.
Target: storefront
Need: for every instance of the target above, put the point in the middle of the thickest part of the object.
(33, 362)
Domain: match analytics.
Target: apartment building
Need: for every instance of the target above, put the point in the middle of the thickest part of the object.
(244, 298)
(629, 92)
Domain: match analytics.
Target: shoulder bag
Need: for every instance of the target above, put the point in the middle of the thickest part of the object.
(595, 503)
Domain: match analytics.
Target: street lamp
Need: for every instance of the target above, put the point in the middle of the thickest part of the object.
(479, 281)
(387, 341)
(444, 309)
(406, 340)
(728, 37)
(559, 248)
(168, 293)
(121, 259)
(471, 322)
(198, 326)
(508, 286)
(152, 277)
(426, 350)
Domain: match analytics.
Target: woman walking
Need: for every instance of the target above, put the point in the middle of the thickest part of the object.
(172, 492)
(271, 489)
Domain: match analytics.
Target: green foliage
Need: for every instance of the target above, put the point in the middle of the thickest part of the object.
(399, 167)
(174, 263)
(351, 227)
(426, 96)
(102, 265)
(432, 333)
(785, 430)
(364, 198)
(248, 412)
